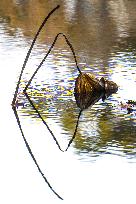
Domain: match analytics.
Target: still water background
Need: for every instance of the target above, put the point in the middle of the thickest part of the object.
(100, 165)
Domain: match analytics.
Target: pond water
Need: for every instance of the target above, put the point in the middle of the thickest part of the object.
(99, 166)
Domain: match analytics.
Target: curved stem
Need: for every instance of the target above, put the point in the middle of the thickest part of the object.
(39, 66)
(29, 52)
(32, 104)
(32, 155)
(74, 135)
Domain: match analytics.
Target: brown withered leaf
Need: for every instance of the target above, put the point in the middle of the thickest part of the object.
(87, 90)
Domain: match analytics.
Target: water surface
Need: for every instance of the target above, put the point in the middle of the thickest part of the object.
(103, 36)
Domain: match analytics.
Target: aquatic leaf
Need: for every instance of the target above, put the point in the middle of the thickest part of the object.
(87, 90)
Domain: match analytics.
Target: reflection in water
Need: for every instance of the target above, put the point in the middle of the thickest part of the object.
(70, 8)
(15, 105)
(107, 134)
(118, 13)
(103, 36)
